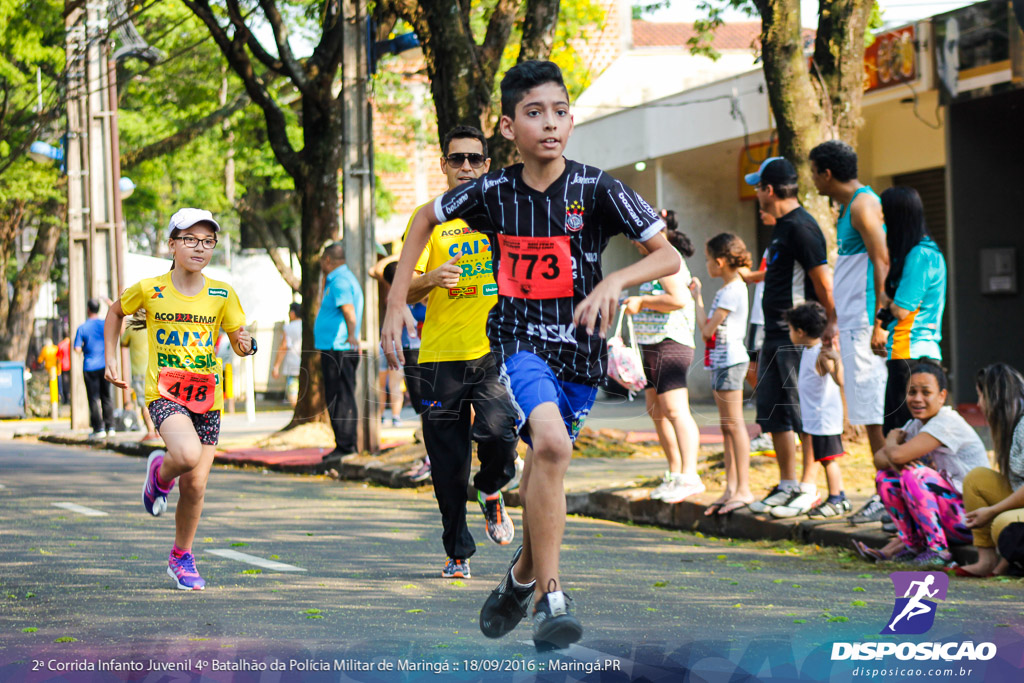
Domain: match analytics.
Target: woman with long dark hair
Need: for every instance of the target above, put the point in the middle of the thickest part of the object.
(994, 499)
(915, 297)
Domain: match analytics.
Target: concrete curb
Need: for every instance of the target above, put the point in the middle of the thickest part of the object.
(616, 504)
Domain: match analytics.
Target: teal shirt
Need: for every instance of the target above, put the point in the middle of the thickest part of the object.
(922, 291)
(854, 280)
(330, 332)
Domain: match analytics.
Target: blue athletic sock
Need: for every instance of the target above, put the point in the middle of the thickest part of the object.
(838, 498)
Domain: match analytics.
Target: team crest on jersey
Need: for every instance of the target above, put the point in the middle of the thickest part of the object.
(158, 292)
(574, 217)
(217, 292)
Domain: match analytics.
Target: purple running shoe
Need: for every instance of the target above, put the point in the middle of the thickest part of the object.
(154, 498)
(183, 571)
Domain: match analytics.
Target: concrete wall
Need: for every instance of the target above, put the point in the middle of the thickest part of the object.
(894, 140)
(987, 181)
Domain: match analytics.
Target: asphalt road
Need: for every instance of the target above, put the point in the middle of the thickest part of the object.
(654, 603)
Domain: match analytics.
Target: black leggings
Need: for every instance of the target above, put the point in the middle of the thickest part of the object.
(101, 405)
(449, 389)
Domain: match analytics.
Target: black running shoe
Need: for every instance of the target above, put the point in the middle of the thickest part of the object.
(506, 606)
(872, 511)
(554, 626)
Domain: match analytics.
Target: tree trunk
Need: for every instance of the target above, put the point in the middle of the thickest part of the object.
(16, 333)
(795, 101)
(462, 73)
(10, 227)
(321, 161)
(839, 60)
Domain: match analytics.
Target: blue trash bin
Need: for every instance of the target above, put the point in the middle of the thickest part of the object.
(12, 389)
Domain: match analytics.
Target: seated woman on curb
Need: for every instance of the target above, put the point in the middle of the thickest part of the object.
(993, 498)
(920, 476)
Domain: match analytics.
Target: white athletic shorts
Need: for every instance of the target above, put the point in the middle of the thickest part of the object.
(865, 377)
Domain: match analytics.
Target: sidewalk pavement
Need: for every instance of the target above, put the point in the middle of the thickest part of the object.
(612, 488)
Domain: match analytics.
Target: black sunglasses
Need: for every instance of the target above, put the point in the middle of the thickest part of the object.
(457, 159)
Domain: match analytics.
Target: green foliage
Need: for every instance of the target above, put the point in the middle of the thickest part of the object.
(31, 42)
(643, 7)
(875, 22)
(705, 27)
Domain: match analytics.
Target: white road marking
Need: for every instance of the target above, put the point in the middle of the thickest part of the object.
(81, 509)
(258, 561)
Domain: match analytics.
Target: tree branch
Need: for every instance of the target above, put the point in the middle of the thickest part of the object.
(263, 232)
(327, 54)
(234, 51)
(538, 29)
(238, 22)
(294, 69)
(498, 30)
(185, 135)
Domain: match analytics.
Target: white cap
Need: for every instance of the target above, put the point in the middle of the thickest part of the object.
(186, 218)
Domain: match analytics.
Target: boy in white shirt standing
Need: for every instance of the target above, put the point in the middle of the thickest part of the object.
(821, 407)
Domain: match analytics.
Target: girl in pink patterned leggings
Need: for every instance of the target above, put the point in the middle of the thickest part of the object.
(921, 470)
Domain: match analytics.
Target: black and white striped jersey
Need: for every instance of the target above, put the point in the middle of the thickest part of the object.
(546, 251)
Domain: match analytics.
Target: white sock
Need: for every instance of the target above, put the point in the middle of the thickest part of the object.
(806, 487)
(789, 484)
(516, 584)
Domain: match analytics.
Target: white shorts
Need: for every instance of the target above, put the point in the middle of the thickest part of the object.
(865, 376)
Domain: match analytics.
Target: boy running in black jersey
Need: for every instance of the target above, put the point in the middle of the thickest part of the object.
(549, 219)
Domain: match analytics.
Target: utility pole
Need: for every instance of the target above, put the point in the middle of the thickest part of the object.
(78, 237)
(359, 232)
(95, 222)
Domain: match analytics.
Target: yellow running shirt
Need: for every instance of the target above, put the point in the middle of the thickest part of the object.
(183, 330)
(455, 327)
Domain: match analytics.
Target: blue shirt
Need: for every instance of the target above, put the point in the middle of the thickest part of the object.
(330, 332)
(922, 291)
(89, 338)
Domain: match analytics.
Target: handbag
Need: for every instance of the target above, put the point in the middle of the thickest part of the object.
(625, 364)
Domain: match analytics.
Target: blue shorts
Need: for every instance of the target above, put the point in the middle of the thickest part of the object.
(530, 382)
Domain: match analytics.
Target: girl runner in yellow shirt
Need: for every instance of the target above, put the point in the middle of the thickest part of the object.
(184, 311)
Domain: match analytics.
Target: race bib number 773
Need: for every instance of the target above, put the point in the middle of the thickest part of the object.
(193, 390)
(535, 267)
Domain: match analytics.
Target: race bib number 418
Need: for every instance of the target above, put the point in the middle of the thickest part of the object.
(535, 267)
(193, 390)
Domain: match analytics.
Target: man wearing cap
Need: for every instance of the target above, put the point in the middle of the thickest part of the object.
(797, 271)
(336, 338)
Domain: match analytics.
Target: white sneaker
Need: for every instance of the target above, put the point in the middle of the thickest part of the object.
(777, 496)
(762, 444)
(680, 489)
(98, 435)
(665, 485)
(799, 503)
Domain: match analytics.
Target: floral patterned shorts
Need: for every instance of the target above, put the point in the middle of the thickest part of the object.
(207, 424)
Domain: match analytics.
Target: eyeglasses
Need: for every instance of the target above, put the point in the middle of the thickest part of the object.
(457, 159)
(190, 242)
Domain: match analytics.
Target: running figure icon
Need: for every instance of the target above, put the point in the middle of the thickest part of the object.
(915, 606)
